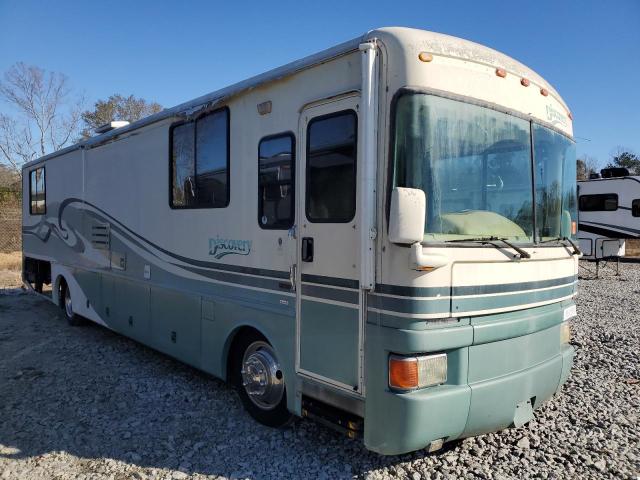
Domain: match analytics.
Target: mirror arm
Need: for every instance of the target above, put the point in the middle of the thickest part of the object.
(425, 262)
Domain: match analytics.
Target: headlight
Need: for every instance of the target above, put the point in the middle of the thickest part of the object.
(410, 373)
(565, 333)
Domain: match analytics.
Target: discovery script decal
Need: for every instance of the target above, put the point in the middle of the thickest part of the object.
(220, 247)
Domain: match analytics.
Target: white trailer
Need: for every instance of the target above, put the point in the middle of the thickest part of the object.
(377, 236)
(609, 214)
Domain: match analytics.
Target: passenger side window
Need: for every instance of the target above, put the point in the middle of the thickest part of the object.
(37, 192)
(331, 168)
(200, 162)
(635, 207)
(604, 202)
(276, 180)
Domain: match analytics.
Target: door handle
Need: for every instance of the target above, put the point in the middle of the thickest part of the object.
(307, 249)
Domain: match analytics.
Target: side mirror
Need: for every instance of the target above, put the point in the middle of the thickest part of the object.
(407, 215)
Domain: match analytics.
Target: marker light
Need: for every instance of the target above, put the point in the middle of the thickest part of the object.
(425, 57)
(525, 82)
(501, 72)
(410, 373)
(544, 92)
(570, 115)
(565, 333)
(574, 228)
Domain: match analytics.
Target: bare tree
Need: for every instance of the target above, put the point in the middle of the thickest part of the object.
(46, 113)
(117, 107)
(586, 165)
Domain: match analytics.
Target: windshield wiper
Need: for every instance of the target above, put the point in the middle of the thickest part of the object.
(576, 249)
(489, 241)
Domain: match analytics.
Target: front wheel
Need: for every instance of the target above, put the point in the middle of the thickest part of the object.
(259, 380)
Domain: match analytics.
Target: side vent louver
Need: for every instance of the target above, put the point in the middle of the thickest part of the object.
(101, 236)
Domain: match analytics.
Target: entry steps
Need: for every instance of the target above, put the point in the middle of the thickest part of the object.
(344, 422)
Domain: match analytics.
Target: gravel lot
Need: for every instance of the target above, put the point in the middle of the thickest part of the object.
(85, 403)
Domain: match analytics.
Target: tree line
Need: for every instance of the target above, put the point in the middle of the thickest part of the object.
(621, 157)
(40, 113)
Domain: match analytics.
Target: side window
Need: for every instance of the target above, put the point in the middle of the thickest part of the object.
(182, 166)
(331, 168)
(276, 180)
(212, 160)
(200, 162)
(606, 202)
(37, 192)
(635, 207)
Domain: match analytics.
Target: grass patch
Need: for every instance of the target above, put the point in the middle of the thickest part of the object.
(11, 261)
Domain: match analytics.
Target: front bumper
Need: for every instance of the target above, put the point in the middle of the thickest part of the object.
(491, 386)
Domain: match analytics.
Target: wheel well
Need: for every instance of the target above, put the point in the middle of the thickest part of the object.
(238, 335)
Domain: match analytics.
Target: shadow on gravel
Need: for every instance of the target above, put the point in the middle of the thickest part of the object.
(105, 399)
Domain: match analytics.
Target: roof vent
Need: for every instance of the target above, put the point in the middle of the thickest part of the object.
(111, 126)
(613, 172)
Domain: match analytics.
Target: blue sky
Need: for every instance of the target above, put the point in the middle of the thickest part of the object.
(174, 51)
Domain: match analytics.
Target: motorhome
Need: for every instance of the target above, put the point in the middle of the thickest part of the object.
(609, 213)
(379, 236)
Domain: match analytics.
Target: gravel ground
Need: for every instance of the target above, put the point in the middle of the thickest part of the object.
(85, 403)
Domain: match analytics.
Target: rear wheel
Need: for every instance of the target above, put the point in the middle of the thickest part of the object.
(67, 305)
(259, 380)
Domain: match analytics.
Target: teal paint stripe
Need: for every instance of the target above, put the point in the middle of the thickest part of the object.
(403, 305)
(511, 287)
(344, 296)
(503, 301)
(403, 291)
(331, 281)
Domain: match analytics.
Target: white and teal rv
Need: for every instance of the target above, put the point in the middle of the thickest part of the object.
(609, 214)
(379, 236)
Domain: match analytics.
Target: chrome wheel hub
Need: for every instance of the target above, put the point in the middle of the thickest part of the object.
(68, 307)
(261, 375)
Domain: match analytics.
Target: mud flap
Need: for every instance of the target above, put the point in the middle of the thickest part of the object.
(524, 412)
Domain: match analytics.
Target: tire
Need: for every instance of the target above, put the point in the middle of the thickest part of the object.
(268, 405)
(73, 319)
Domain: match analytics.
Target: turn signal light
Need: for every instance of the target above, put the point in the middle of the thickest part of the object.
(574, 228)
(411, 373)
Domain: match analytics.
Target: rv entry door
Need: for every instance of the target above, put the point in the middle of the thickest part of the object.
(329, 331)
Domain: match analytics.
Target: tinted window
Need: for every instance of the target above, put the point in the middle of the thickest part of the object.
(276, 174)
(212, 160)
(200, 162)
(600, 202)
(37, 193)
(635, 208)
(331, 168)
(473, 163)
(182, 161)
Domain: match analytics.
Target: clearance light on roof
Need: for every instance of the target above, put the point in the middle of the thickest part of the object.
(264, 107)
(525, 82)
(544, 92)
(425, 57)
(501, 72)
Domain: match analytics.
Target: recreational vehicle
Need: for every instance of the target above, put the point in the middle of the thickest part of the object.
(379, 236)
(609, 213)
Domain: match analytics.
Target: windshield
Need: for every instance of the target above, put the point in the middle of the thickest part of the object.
(474, 165)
